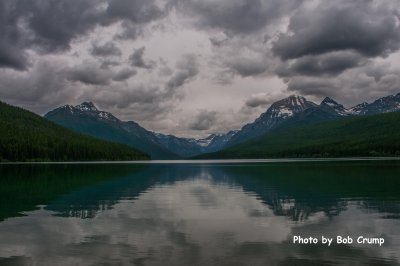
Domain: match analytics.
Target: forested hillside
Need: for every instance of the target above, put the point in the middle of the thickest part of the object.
(377, 135)
(25, 136)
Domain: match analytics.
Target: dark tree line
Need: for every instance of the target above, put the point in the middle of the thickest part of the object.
(25, 136)
(370, 136)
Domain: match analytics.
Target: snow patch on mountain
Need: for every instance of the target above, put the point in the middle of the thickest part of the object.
(86, 106)
(358, 109)
(333, 106)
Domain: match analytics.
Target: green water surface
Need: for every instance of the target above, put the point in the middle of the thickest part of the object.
(199, 213)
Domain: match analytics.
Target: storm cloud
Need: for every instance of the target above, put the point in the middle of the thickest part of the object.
(238, 16)
(44, 85)
(135, 11)
(105, 50)
(50, 26)
(329, 64)
(259, 100)
(12, 54)
(137, 59)
(221, 62)
(204, 120)
(246, 67)
(368, 83)
(370, 28)
(89, 74)
(124, 74)
(187, 69)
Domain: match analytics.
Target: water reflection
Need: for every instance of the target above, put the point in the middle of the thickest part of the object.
(200, 214)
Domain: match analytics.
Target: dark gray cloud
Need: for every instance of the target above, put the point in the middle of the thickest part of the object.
(240, 16)
(367, 82)
(312, 86)
(164, 69)
(245, 56)
(129, 31)
(54, 23)
(329, 64)
(188, 68)
(204, 120)
(134, 14)
(12, 57)
(138, 102)
(105, 50)
(12, 41)
(128, 95)
(256, 102)
(247, 67)
(260, 100)
(135, 11)
(368, 27)
(136, 59)
(124, 74)
(107, 63)
(253, 48)
(50, 26)
(148, 101)
(329, 49)
(43, 86)
(90, 74)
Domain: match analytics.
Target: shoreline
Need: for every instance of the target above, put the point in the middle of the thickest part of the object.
(219, 161)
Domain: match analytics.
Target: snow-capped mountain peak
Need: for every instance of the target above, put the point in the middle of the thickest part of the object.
(68, 108)
(90, 109)
(86, 106)
(287, 107)
(358, 109)
(385, 104)
(214, 142)
(204, 142)
(293, 110)
(329, 103)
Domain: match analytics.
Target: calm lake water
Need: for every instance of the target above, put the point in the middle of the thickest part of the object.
(230, 213)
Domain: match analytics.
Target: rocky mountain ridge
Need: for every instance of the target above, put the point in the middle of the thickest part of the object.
(86, 118)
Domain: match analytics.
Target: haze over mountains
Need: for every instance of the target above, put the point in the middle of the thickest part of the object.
(294, 110)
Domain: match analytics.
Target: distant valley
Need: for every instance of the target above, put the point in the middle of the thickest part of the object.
(87, 119)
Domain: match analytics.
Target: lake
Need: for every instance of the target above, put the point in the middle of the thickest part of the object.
(200, 213)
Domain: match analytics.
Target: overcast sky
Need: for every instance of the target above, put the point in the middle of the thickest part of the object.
(194, 67)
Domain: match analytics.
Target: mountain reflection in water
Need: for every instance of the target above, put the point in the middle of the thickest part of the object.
(198, 214)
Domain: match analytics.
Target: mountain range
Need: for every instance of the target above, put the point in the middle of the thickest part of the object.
(25, 136)
(292, 111)
(353, 136)
(85, 118)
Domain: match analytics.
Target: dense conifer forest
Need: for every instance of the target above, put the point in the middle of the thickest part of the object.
(377, 135)
(25, 136)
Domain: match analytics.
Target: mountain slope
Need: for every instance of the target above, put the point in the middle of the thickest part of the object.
(25, 136)
(87, 119)
(293, 110)
(188, 147)
(296, 110)
(331, 106)
(184, 147)
(216, 142)
(376, 135)
(385, 104)
(275, 115)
